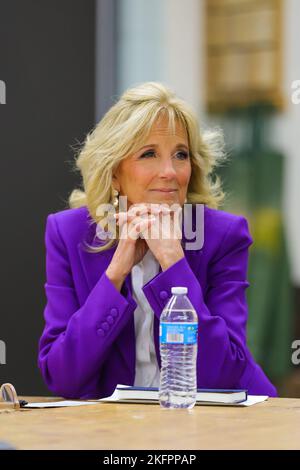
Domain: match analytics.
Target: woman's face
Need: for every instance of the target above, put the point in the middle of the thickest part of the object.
(159, 172)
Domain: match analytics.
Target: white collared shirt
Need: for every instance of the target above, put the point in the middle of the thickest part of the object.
(146, 370)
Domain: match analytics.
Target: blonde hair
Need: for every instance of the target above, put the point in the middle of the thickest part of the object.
(122, 131)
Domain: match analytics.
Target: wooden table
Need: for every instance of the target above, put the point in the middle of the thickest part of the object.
(273, 424)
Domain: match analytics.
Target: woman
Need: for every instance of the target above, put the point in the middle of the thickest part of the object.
(105, 297)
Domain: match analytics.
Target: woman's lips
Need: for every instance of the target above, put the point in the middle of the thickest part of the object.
(165, 190)
(165, 194)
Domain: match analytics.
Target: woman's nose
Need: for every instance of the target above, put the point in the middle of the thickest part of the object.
(167, 169)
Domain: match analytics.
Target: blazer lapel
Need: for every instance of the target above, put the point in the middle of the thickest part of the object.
(94, 264)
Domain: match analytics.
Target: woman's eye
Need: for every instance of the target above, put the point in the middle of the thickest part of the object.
(147, 154)
(182, 155)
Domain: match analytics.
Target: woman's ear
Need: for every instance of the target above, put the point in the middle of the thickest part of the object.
(116, 183)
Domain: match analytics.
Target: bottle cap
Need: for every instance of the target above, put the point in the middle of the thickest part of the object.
(179, 290)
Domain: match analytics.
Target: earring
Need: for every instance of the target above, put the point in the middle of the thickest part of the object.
(115, 200)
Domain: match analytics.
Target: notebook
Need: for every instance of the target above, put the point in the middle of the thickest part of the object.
(130, 394)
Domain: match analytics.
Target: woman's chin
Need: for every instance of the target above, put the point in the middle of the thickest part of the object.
(164, 198)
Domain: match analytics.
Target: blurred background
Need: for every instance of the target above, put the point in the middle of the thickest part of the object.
(236, 62)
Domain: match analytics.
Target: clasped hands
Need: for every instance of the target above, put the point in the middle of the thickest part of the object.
(157, 224)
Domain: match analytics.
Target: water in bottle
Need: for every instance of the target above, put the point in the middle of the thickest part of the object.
(178, 350)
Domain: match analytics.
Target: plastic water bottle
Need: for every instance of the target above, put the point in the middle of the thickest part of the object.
(178, 350)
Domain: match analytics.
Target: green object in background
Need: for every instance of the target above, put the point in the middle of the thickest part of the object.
(254, 183)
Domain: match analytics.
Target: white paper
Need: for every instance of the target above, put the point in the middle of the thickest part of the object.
(57, 404)
(253, 399)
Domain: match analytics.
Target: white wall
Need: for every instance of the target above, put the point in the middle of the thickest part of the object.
(139, 42)
(183, 67)
(159, 40)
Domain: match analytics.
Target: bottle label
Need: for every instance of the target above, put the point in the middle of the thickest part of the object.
(178, 333)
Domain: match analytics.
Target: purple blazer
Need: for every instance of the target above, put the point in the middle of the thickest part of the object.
(88, 343)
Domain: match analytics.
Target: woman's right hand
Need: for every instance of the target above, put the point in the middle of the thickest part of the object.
(131, 248)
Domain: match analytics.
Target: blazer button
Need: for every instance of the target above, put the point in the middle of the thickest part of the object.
(100, 332)
(163, 294)
(114, 312)
(105, 326)
(110, 319)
